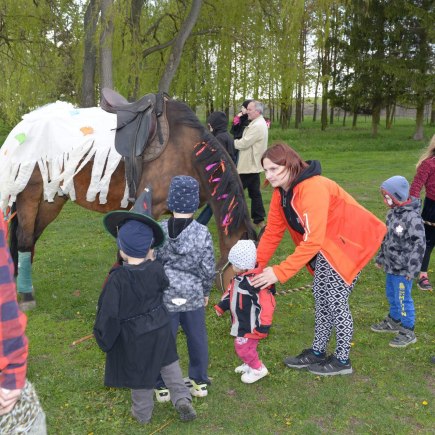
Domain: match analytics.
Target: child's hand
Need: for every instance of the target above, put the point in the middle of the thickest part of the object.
(219, 314)
(205, 301)
(379, 266)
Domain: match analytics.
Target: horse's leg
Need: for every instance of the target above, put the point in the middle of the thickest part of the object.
(27, 205)
(47, 213)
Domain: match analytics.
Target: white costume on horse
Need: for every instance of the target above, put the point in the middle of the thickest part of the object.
(60, 139)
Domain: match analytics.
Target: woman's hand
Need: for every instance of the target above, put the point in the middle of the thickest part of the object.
(265, 278)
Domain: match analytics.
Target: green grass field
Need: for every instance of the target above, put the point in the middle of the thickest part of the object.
(392, 391)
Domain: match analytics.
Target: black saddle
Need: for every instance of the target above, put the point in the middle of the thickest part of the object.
(136, 125)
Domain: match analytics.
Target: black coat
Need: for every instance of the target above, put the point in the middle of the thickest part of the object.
(219, 123)
(132, 326)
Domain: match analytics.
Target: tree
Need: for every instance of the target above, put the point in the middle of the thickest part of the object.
(177, 49)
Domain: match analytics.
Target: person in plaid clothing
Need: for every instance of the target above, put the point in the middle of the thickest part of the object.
(20, 410)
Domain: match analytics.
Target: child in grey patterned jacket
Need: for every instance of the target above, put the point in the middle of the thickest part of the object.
(188, 260)
(400, 256)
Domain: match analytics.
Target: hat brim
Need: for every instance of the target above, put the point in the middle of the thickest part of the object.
(114, 220)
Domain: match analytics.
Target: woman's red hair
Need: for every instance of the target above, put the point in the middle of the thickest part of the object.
(283, 155)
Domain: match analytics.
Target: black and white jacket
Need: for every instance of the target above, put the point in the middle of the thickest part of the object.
(404, 244)
(189, 263)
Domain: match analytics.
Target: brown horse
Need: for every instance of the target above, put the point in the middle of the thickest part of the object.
(191, 150)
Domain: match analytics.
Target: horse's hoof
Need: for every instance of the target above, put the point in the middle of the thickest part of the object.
(26, 301)
(27, 306)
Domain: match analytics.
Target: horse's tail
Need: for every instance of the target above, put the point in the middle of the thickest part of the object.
(13, 240)
(224, 185)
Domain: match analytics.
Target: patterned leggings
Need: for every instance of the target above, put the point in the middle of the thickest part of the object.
(331, 296)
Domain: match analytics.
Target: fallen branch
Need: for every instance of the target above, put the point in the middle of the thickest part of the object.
(81, 340)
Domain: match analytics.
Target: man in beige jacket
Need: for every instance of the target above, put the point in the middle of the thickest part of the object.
(251, 147)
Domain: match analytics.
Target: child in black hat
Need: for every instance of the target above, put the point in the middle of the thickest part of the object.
(132, 325)
(188, 258)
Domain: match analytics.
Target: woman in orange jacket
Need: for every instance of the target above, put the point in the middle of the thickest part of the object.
(335, 237)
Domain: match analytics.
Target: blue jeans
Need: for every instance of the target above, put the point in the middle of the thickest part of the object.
(193, 325)
(398, 291)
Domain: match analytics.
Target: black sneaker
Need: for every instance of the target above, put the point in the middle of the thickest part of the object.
(306, 358)
(331, 366)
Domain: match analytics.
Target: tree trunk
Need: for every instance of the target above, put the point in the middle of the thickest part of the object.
(354, 119)
(298, 106)
(90, 54)
(324, 111)
(419, 120)
(432, 114)
(376, 116)
(285, 115)
(106, 42)
(177, 48)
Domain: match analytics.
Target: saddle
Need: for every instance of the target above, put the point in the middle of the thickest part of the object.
(138, 123)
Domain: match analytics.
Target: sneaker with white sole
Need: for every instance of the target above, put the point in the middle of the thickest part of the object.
(198, 389)
(241, 369)
(254, 375)
(162, 395)
(304, 359)
(404, 338)
(386, 325)
(330, 367)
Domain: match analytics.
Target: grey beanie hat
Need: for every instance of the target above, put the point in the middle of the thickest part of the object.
(183, 196)
(243, 255)
(398, 187)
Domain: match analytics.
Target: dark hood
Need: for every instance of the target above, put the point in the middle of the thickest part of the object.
(312, 170)
(218, 121)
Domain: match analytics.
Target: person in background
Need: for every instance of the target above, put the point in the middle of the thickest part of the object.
(217, 123)
(251, 310)
(335, 237)
(240, 121)
(251, 147)
(400, 256)
(132, 325)
(188, 258)
(20, 410)
(425, 177)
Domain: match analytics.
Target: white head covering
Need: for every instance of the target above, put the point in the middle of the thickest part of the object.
(243, 255)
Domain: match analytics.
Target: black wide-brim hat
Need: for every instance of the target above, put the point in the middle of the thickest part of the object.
(140, 212)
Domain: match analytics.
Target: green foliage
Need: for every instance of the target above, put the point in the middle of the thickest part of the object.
(384, 395)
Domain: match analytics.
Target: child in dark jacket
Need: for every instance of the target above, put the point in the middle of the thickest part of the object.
(251, 310)
(400, 256)
(133, 325)
(218, 123)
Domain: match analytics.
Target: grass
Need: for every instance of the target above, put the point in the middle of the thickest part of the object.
(385, 395)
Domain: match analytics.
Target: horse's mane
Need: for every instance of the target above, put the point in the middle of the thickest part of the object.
(219, 171)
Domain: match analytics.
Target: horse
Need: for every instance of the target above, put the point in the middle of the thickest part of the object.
(190, 150)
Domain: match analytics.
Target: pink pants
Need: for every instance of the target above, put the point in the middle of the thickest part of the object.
(246, 349)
